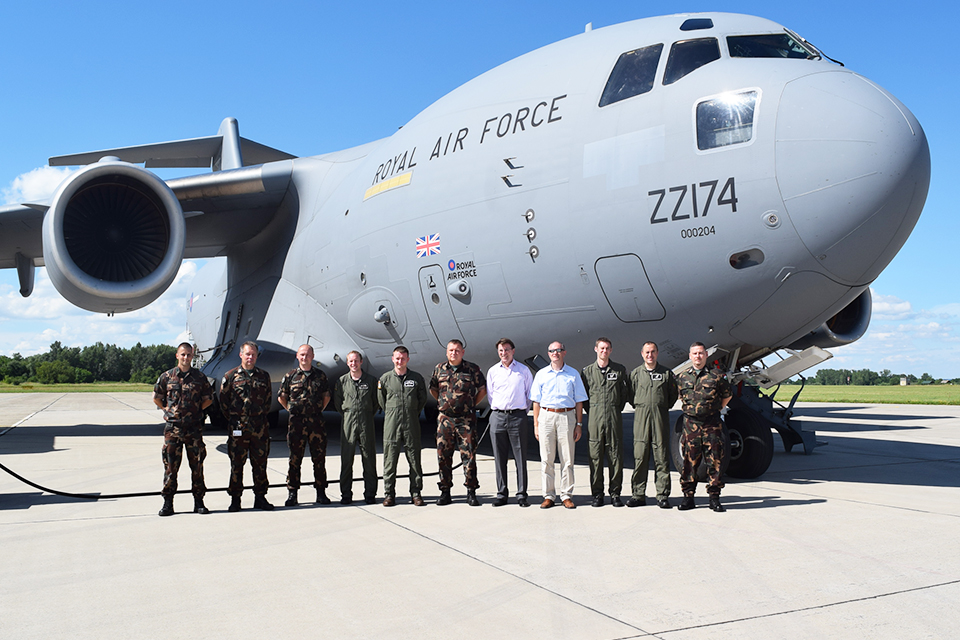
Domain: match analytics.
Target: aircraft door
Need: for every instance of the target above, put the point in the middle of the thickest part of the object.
(437, 303)
(627, 288)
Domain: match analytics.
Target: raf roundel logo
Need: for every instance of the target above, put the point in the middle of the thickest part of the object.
(451, 265)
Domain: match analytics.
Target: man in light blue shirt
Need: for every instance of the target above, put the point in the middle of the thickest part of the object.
(558, 395)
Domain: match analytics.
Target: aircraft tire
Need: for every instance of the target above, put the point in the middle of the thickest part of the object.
(751, 444)
(676, 454)
(217, 421)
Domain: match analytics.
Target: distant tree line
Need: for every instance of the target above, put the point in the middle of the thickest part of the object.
(94, 363)
(866, 377)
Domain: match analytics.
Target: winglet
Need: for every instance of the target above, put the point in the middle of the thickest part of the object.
(226, 150)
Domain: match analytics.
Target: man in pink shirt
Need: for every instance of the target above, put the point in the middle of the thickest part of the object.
(508, 391)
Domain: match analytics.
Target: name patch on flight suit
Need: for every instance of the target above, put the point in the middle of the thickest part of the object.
(409, 383)
(363, 386)
(656, 377)
(612, 375)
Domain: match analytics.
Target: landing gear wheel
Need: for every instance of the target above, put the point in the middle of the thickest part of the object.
(217, 421)
(751, 444)
(430, 413)
(677, 455)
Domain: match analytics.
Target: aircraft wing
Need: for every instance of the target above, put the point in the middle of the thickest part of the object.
(216, 152)
(113, 235)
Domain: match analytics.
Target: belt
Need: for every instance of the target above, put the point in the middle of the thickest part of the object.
(560, 410)
(509, 410)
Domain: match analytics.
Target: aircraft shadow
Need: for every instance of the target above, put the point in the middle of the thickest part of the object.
(41, 439)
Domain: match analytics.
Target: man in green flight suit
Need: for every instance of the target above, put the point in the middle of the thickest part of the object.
(654, 392)
(608, 389)
(355, 398)
(402, 393)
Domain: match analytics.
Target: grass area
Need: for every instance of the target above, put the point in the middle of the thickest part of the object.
(912, 394)
(93, 387)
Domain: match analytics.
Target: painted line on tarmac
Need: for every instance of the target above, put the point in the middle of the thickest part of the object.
(511, 574)
(813, 608)
(41, 410)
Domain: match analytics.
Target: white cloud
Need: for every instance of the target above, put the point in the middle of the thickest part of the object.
(890, 307)
(904, 340)
(29, 325)
(36, 185)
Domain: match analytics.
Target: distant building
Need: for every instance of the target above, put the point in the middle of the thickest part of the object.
(903, 381)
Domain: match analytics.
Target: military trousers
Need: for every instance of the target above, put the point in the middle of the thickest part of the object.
(605, 438)
(701, 443)
(557, 436)
(456, 433)
(510, 431)
(303, 430)
(361, 435)
(174, 441)
(651, 435)
(408, 439)
(254, 443)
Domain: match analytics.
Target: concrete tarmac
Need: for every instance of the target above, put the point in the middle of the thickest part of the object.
(858, 539)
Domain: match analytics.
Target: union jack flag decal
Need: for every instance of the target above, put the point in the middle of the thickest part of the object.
(428, 245)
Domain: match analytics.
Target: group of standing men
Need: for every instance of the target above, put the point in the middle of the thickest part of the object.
(558, 395)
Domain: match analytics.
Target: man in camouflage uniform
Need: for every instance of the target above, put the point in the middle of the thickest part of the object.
(304, 394)
(355, 397)
(703, 392)
(608, 390)
(245, 400)
(402, 393)
(458, 386)
(183, 393)
(654, 392)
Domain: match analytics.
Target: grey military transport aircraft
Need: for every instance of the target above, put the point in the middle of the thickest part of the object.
(699, 177)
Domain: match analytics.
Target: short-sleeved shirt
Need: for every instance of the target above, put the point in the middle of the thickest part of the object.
(304, 391)
(182, 394)
(558, 389)
(457, 388)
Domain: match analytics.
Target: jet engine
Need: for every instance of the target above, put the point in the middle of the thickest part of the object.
(113, 237)
(847, 326)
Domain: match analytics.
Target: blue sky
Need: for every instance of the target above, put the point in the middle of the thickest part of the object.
(314, 77)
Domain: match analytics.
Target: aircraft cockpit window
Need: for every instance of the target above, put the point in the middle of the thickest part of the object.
(688, 56)
(632, 75)
(726, 120)
(769, 45)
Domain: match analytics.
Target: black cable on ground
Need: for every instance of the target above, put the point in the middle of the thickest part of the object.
(143, 494)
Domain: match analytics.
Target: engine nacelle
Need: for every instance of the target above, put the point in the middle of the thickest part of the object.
(113, 237)
(845, 327)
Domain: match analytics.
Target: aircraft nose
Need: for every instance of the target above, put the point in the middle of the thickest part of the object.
(853, 167)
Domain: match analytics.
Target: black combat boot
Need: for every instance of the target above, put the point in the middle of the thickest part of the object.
(472, 498)
(322, 497)
(686, 503)
(715, 504)
(291, 498)
(260, 502)
(234, 504)
(167, 508)
(444, 498)
(346, 498)
(199, 507)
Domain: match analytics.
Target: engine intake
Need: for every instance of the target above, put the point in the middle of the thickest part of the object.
(113, 237)
(847, 326)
